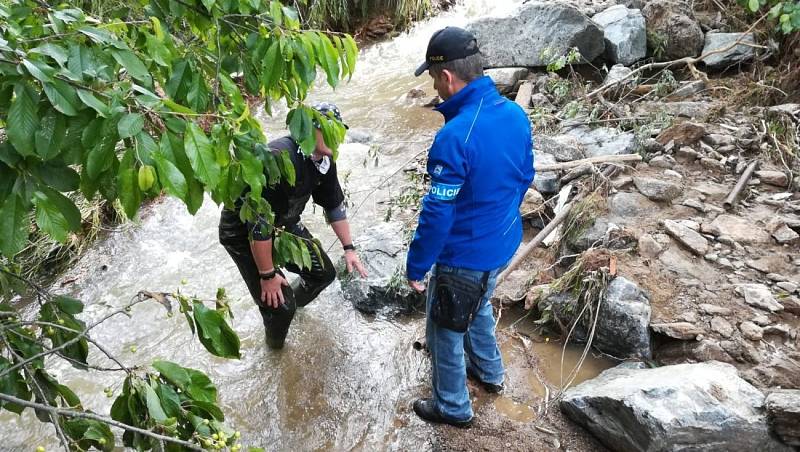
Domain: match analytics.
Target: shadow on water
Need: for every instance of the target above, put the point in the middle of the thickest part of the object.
(345, 381)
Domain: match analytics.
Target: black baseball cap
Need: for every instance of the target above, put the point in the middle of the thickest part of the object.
(448, 44)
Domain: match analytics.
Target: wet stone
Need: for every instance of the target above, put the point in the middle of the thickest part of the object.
(783, 414)
(776, 178)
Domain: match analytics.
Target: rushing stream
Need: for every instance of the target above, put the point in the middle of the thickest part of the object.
(345, 381)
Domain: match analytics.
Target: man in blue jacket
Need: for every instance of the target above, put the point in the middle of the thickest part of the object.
(480, 165)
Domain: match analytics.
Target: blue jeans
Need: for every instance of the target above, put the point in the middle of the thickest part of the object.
(451, 351)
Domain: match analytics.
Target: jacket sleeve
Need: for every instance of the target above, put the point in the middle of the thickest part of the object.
(528, 171)
(447, 167)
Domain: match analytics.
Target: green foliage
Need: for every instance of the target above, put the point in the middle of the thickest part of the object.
(348, 14)
(132, 108)
(785, 12)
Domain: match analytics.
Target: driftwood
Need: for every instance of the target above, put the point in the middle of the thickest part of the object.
(732, 198)
(598, 159)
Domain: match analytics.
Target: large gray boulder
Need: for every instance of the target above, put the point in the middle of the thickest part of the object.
(729, 51)
(534, 31)
(697, 407)
(563, 148)
(382, 251)
(622, 329)
(625, 35)
(672, 31)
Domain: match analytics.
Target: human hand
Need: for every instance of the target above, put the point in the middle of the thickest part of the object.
(417, 285)
(354, 263)
(271, 293)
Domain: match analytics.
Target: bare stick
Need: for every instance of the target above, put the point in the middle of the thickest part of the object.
(731, 200)
(597, 159)
(55, 411)
(519, 257)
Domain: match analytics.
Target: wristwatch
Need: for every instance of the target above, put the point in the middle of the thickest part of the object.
(265, 276)
(349, 247)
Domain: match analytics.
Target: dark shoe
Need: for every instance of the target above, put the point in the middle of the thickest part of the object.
(425, 409)
(491, 388)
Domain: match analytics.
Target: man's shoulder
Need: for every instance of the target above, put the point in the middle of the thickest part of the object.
(285, 143)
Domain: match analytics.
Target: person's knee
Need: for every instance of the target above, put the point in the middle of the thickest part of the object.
(328, 275)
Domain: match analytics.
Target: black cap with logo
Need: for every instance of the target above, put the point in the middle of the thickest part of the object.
(448, 44)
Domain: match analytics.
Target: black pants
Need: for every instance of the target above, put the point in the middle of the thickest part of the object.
(233, 236)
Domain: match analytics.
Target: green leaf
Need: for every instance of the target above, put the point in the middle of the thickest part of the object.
(59, 177)
(287, 168)
(272, 66)
(90, 100)
(101, 36)
(130, 195)
(62, 96)
(50, 136)
(193, 382)
(14, 226)
(69, 331)
(68, 305)
(171, 178)
(13, 384)
(753, 5)
(65, 206)
(23, 120)
(351, 51)
(329, 59)
(24, 343)
(54, 51)
(170, 400)
(214, 333)
(209, 4)
(130, 125)
(252, 172)
(201, 155)
(198, 95)
(181, 76)
(133, 65)
(39, 70)
(56, 214)
(154, 404)
(207, 410)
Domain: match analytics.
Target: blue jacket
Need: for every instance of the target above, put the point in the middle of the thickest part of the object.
(481, 165)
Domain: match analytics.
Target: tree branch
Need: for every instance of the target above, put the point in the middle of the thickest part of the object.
(55, 411)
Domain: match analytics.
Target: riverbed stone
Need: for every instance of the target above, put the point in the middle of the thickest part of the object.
(619, 73)
(625, 205)
(622, 329)
(677, 330)
(699, 407)
(657, 189)
(547, 182)
(526, 36)
(721, 327)
(382, 252)
(751, 331)
(563, 148)
(776, 178)
(760, 296)
(603, 140)
(648, 247)
(505, 79)
(783, 414)
(785, 235)
(686, 236)
(739, 229)
(624, 32)
(739, 53)
(672, 31)
(713, 309)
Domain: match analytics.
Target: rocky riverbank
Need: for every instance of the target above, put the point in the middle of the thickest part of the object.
(684, 267)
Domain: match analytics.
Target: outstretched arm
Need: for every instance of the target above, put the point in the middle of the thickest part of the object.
(342, 230)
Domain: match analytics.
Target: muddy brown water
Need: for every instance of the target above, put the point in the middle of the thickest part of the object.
(345, 381)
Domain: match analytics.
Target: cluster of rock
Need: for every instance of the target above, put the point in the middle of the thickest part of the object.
(663, 29)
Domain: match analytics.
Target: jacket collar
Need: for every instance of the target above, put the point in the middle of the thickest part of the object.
(477, 89)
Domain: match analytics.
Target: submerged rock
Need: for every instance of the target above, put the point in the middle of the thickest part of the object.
(624, 31)
(536, 33)
(698, 407)
(382, 251)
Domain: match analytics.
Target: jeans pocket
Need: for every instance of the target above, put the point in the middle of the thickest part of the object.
(456, 300)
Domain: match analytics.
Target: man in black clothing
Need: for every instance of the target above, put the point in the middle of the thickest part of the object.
(251, 249)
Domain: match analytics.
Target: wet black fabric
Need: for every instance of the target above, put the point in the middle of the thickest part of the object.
(234, 237)
(287, 201)
(457, 300)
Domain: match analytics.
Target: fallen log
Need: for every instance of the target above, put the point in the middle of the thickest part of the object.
(598, 159)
